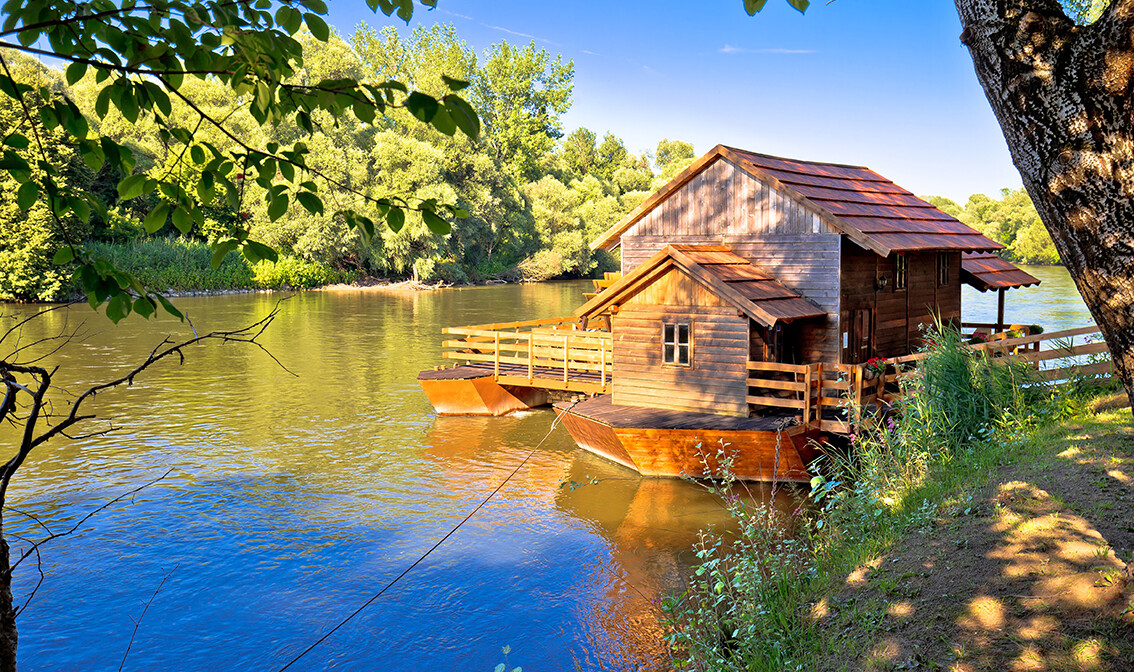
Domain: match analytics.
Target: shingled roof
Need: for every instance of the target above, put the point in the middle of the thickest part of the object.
(870, 209)
(985, 271)
(734, 279)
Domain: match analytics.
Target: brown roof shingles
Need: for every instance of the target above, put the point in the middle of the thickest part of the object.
(985, 271)
(868, 208)
(751, 289)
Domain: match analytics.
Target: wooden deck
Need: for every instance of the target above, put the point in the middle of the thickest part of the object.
(633, 417)
(543, 377)
(552, 354)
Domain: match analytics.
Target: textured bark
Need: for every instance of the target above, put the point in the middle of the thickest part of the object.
(8, 636)
(1063, 96)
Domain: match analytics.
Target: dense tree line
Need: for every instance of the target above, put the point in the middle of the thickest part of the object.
(1011, 220)
(534, 195)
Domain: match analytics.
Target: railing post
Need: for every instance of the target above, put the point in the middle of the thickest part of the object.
(496, 357)
(807, 397)
(566, 346)
(602, 364)
(819, 392)
(530, 371)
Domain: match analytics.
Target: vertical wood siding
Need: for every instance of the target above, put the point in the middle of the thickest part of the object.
(899, 314)
(725, 205)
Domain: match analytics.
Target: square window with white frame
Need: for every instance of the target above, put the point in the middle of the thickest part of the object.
(677, 343)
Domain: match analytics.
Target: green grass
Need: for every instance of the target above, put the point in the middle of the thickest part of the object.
(185, 265)
(747, 606)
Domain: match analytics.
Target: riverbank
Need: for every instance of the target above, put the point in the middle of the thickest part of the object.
(985, 525)
(1026, 568)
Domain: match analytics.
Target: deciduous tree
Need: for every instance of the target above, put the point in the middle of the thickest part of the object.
(143, 58)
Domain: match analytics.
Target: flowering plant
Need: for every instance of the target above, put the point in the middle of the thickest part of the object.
(876, 365)
(978, 337)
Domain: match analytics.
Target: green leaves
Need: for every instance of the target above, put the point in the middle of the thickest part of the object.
(256, 252)
(27, 195)
(435, 223)
(63, 255)
(317, 26)
(131, 187)
(753, 6)
(156, 217)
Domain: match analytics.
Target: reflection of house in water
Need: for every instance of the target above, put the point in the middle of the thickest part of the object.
(651, 526)
(753, 289)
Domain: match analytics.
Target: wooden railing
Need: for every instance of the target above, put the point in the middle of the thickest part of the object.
(552, 354)
(830, 397)
(819, 393)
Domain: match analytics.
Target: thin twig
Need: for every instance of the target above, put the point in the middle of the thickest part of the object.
(138, 623)
(77, 525)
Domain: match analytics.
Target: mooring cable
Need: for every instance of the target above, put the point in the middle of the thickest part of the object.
(435, 546)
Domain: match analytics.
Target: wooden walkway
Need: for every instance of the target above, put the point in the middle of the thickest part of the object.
(552, 354)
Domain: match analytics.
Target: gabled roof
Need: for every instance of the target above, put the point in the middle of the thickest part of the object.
(866, 207)
(736, 280)
(985, 271)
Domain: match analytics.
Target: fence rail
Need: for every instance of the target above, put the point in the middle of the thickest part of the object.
(554, 353)
(822, 394)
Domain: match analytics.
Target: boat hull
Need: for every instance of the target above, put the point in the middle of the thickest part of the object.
(767, 454)
(480, 396)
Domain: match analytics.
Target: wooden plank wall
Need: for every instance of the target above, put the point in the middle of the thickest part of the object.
(807, 263)
(725, 200)
(898, 313)
(725, 205)
(716, 382)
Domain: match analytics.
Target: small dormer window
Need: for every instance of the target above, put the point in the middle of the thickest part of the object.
(942, 269)
(676, 343)
(901, 271)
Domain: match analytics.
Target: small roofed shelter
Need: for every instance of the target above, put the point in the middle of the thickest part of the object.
(878, 260)
(686, 321)
(985, 271)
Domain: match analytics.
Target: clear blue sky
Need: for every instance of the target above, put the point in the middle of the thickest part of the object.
(882, 83)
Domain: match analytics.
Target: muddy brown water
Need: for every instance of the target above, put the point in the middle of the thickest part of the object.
(293, 499)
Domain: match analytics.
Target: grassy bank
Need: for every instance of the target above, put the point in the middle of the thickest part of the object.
(762, 600)
(184, 265)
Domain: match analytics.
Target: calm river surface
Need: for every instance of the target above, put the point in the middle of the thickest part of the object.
(293, 499)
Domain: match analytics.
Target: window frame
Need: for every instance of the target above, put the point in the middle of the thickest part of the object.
(678, 346)
(901, 272)
(942, 269)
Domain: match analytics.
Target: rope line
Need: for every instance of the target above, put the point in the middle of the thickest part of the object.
(435, 546)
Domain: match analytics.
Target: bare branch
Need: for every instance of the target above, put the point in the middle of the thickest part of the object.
(138, 623)
(55, 535)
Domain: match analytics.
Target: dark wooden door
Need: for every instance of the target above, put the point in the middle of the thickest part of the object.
(860, 345)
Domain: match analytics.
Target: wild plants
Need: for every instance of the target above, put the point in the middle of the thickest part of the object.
(747, 603)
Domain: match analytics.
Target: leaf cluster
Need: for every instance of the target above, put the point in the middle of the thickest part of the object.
(141, 57)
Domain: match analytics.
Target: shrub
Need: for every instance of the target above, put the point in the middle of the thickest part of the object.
(294, 272)
(746, 605)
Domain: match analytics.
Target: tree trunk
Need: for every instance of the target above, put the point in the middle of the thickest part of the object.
(8, 635)
(1063, 96)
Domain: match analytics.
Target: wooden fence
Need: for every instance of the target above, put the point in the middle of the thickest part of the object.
(823, 395)
(552, 354)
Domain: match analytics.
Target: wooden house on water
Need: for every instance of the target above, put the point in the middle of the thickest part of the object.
(753, 289)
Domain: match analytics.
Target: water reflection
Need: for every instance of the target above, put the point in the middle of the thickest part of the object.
(294, 498)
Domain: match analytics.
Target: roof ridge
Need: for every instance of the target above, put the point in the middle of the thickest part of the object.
(814, 163)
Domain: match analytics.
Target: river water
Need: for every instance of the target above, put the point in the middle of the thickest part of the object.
(294, 497)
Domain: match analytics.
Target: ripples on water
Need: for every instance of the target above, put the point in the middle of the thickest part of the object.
(293, 499)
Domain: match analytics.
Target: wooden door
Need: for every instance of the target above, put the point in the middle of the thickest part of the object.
(860, 341)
